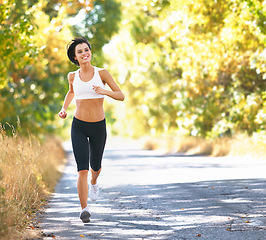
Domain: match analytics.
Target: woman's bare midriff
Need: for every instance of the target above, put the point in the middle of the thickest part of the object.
(90, 110)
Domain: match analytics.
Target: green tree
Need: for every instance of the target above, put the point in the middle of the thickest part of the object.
(99, 25)
(31, 89)
(34, 36)
(193, 66)
(16, 30)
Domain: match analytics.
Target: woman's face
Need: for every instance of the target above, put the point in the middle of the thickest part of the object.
(83, 53)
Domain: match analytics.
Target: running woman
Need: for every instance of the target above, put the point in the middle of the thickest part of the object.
(88, 130)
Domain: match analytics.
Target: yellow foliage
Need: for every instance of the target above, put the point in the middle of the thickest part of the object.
(190, 60)
(51, 38)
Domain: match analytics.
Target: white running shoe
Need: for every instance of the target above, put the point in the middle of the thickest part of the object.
(94, 192)
(85, 215)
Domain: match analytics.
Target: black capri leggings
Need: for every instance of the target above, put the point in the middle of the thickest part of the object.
(88, 151)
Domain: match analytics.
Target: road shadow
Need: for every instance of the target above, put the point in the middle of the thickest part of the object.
(132, 153)
(213, 209)
(229, 208)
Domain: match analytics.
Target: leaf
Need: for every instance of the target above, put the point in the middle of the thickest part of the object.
(81, 235)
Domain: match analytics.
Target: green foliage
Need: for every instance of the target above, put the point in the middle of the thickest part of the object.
(16, 30)
(34, 63)
(99, 25)
(195, 67)
(33, 74)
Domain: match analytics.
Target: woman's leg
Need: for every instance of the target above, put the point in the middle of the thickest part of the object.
(81, 152)
(82, 185)
(97, 144)
(94, 176)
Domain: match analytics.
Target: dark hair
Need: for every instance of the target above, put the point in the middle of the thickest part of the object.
(71, 48)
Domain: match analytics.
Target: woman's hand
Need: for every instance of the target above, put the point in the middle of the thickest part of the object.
(98, 90)
(62, 113)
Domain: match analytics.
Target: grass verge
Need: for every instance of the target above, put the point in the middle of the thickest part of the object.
(239, 145)
(29, 171)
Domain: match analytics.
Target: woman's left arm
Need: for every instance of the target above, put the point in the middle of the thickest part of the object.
(116, 93)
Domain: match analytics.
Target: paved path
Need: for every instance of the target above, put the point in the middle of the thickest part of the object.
(147, 195)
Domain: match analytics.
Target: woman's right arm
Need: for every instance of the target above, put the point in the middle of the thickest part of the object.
(69, 96)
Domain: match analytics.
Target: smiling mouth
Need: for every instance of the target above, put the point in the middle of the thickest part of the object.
(86, 57)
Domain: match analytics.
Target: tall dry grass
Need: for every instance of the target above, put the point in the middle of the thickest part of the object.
(239, 145)
(29, 170)
(188, 145)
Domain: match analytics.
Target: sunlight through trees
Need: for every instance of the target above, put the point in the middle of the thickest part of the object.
(191, 67)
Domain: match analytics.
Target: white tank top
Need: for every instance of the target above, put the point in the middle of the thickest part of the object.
(83, 90)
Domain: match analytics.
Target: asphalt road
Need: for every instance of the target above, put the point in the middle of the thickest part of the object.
(149, 195)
